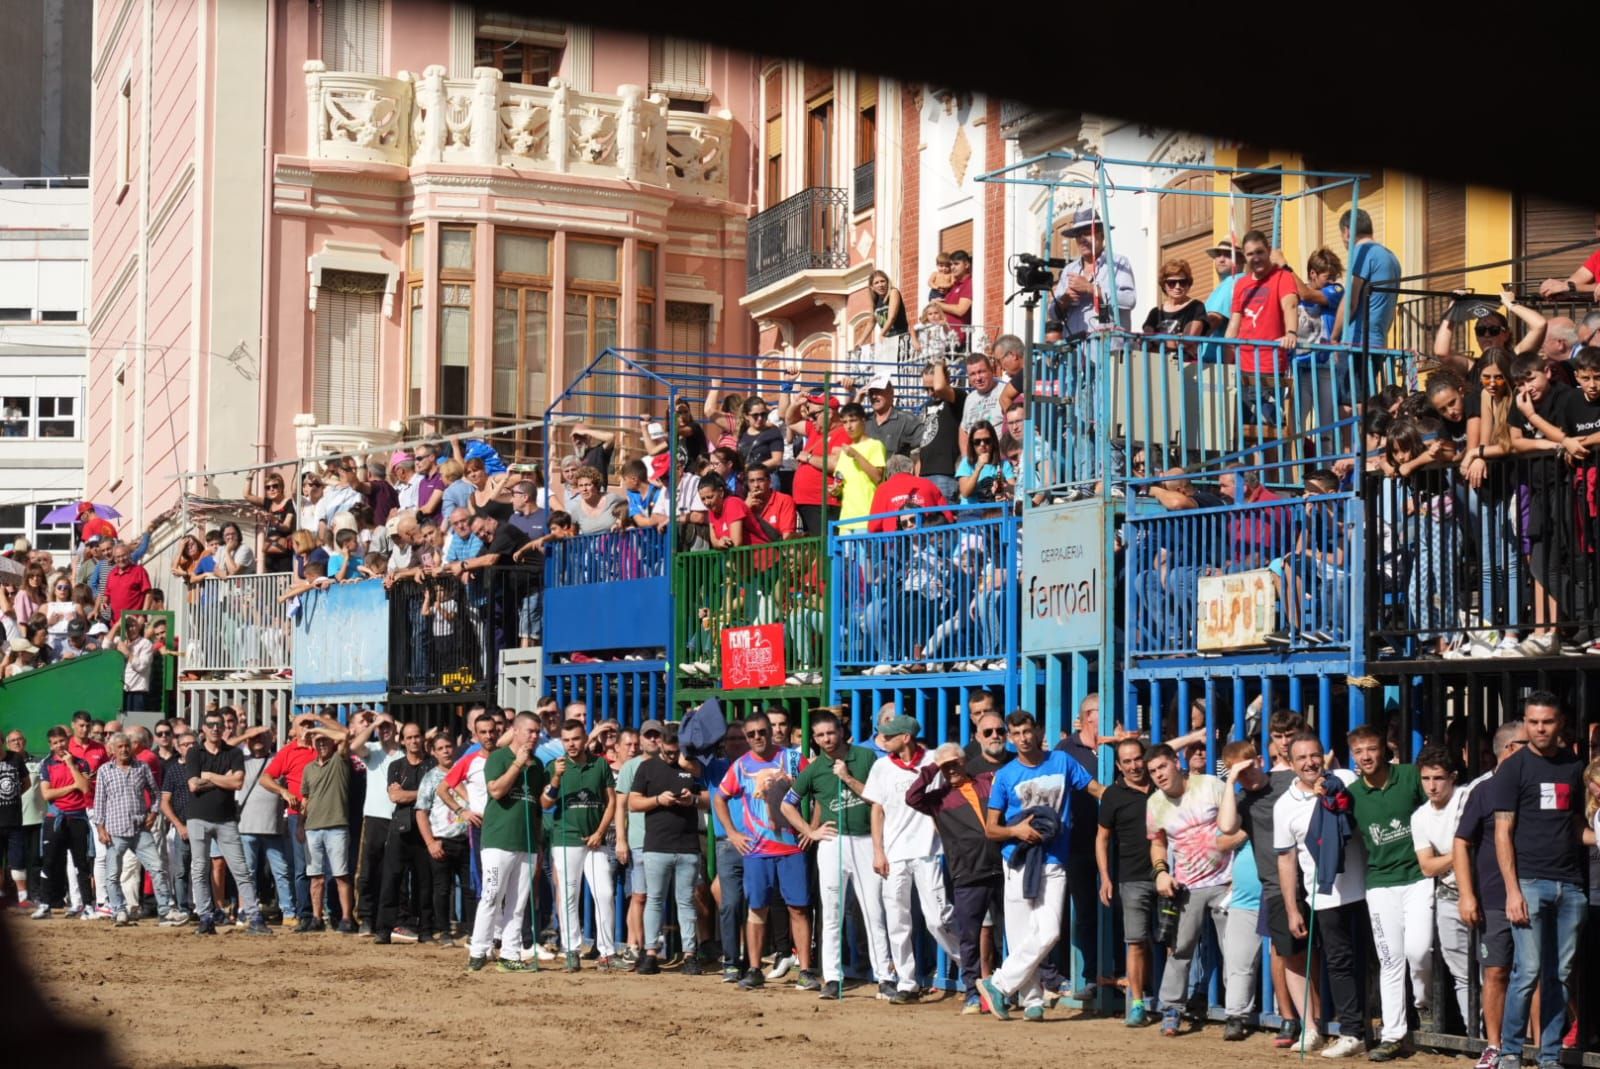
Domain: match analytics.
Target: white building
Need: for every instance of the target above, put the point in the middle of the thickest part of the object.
(44, 252)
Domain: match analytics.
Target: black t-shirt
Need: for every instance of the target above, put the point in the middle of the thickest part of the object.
(1580, 416)
(978, 763)
(1160, 321)
(598, 457)
(1541, 468)
(1081, 804)
(757, 447)
(1122, 809)
(506, 541)
(405, 775)
(941, 430)
(673, 829)
(278, 555)
(1546, 794)
(1255, 817)
(213, 804)
(1456, 429)
(13, 770)
(500, 510)
(1477, 828)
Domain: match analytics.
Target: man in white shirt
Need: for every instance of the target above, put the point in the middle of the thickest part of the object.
(374, 742)
(1433, 833)
(338, 495)
(405, 480)
(906, 851)
(1339, 905)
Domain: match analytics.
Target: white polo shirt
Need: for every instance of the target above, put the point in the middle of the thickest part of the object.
(907, 834)
(1291, 821)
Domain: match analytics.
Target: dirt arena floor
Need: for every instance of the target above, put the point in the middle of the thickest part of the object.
(172, 999)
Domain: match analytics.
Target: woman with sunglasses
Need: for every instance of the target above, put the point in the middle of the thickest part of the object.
(59, 612)
(1177, 312)
(277, 554)
(1493, 330)
(34, 593)
(983, 469)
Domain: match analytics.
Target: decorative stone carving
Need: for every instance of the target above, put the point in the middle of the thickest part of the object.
(525, 129)
(960, 155)
(593, 134)
(1182, 148)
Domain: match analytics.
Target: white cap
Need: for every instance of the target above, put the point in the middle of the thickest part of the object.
(880, 382)
(656, 430)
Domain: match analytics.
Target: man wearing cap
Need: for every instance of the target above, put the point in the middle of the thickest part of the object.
(899, 431)
(630, 838)
(666, 799)
(810, 484)
(339, 495)
(906, 850)
(956, 303)
(1090, 282)
(94, 525)
(78, 640)
(403, 476)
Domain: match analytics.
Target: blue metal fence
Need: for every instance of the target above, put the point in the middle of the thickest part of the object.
(629, 692)
(935, 592)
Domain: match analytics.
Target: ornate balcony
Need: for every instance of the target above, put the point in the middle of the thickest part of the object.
(417, 119)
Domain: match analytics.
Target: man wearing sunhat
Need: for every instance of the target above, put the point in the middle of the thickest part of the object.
(1089, 282)
(898, 431)
(1226, 258)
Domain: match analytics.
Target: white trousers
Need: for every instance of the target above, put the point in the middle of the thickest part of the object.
(925, 876)
(852, 854)
(501, 903)
(573, 865)
(1454, 944)
(1032, 930)
(1402, 932)
(130, 877)
(102, 853)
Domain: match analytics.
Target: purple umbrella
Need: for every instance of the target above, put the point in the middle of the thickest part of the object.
(69, 514)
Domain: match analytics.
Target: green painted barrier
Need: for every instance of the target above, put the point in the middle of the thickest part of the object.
(36, 701)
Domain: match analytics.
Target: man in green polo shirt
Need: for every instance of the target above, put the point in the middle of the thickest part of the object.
(840, 827)
(513, 829)
(1399, 896)
(581, 798)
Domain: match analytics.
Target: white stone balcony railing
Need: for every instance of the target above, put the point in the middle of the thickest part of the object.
(413, 120)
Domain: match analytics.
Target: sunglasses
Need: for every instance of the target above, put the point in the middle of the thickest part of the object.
(989, 733)
(163, 734)
(1175, 282)
(757, 415)
(758, 733)
(1489, 331)
(982, 441)
(212, 725)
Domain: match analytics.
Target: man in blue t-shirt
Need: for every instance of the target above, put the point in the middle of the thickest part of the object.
(1371, 265)
(1037, 780)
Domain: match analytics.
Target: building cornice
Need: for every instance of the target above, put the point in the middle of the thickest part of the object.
(820, 286)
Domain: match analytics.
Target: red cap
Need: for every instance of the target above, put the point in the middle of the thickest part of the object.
(816, 399)
(84, 506)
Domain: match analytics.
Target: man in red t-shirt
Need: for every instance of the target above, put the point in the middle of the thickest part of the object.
(774, 507)
(283, 777)
(64, 784)
(809, 484)
(957, 300)
(902, 490)
(1265, 308)
(732, 523)
(93, 524)
(1580, 281)
(128, 585)
(82, 746)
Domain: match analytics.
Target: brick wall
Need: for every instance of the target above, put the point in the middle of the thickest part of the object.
(994, 219)
(909, 277)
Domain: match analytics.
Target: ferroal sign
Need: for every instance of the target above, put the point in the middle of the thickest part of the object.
(1063, 578)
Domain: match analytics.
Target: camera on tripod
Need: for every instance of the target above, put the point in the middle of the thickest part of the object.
(1034, 273)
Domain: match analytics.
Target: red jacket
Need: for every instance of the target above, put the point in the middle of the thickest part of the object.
(903, 491)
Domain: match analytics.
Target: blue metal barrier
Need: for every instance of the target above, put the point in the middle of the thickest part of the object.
(625, 571)
(629, 692)
(926, 595)
(1296, 554)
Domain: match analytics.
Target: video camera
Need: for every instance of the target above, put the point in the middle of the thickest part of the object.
(1034, 273)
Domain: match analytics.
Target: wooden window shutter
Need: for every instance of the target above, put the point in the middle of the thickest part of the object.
(677, 66)
(345, 375)
(1445, 228)
(1545, 224)
(774, 137)
(352, 35)
(774, 94)
(1184, 223)
(866, 92)
(818, 80)
(956, 237)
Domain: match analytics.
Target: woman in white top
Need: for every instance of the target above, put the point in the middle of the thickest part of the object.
(59, 612)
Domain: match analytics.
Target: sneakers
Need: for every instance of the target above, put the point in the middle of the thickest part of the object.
(692, 967)
(730, 973)
(807, 981)
(258, 926)
(1387, 1051)
(513, 965)
(1288, 1034)
(208, 926)
(1170, 1020)
(753, 980)
(1233, 1030)
(101, 913)
(571, 964)
(476, 964)
(310, 924)
(1033, 1013)
(1489, 1059)
(973, 1005)
(382, 939)
(365, 931)
(781, 966)
(402, 935)
(831, 989)
(1312, 1039)
(41, 914)
(629, 954)
(993, 999)
(1345, 1047)
(121, 918)
(176, 919)
(1138, 1015)
(886, 990)
(1539, 646)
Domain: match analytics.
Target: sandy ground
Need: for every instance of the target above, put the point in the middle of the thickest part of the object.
(170, 998)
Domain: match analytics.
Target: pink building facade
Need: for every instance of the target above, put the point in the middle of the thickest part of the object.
(456, 210)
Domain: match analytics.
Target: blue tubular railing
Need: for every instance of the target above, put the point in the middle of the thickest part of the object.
(1305, 543)
(1185, 401)
(926, 595)
(609, 557)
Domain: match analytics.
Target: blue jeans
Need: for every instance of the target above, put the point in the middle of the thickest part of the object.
(297, 865)
(1543, 952)
(277, 858)
(731, 917)
(144, 848)
(680, 870)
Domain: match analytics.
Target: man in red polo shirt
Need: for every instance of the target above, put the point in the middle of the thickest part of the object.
(128, 585)
(902, 490)
(810, 485)
(732, 523)
(93, 523)
(282, 777)
(775, 507)
(1266, 308)
(64, 785)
